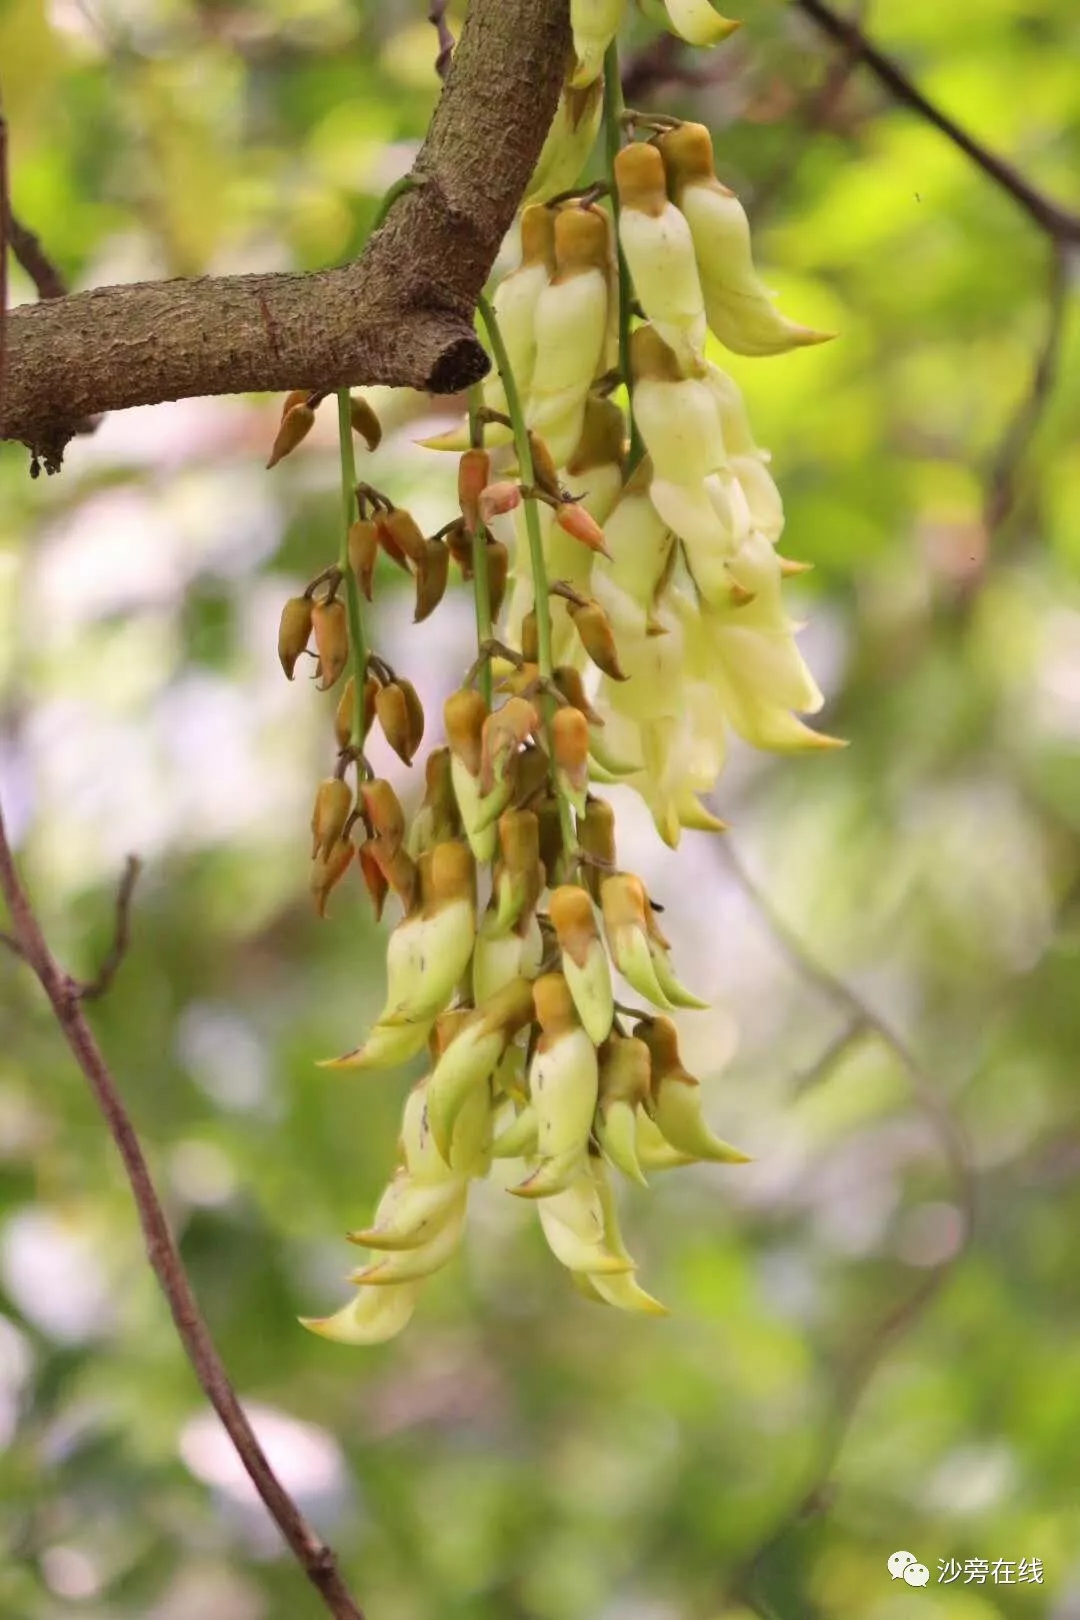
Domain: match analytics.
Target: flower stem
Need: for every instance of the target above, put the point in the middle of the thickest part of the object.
(613, 110)
(481, 582)
(357, 645)
(541, 597)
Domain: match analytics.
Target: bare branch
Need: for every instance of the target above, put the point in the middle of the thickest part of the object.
(96, 987)
(1021, 430)
(402, 314)
(48, 282)
(313, 1555)
(1059, 222)
(437, 16)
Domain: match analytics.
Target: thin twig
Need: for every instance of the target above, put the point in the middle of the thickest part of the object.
(315, 1558)
(48, 282)
(437, 17)
(1059, 222)
(855, 1371)
(96, 987)
(1018, 436)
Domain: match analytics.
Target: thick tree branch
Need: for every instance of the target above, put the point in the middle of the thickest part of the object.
(402, 314)
(1059, 222)
(66, 996)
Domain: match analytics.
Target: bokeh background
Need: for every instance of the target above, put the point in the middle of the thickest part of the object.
(519, 1452)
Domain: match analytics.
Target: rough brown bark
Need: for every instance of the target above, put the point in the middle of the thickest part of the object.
(401, 314)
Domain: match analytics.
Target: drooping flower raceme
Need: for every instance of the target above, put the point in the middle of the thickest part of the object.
(644, 625)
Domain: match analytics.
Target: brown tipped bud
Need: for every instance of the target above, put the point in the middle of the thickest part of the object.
(295, 396)
(331, 629)
(569, 682)
(294, 632)
(364, 421)
(581, 241)
(416, 716)
(640, 181)
(623, 902)
(603, 437)
(464, 714)
(662, 1039)
(328, 870)
(574, 920)
(399, 871)
(530, 774)
(596, 836)
(374, 878)
(503, 734)
(570, 745)
(577, 522)
(555, 1010)
(346, 709)
(459, 546)
(497, 558)
(438, 817)
(550, 833)
(595, 634)
(530, 638)
(447, 872)
(400, 537)
(363, 551)
(625, 1069)
(474, 475)
(545, 472)
(296, 424)
(519, 840)
(383, 813)
(650, 358)
(393, 714)
(538, 235)
(510, 1009)
(432, 575)
(687, 154)
(497, 498)
(333, 804)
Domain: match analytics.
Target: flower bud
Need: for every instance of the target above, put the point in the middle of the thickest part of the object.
(398, 872)
(459, 545)
(519, 876)
(625, 1075)
(333, 805)
(497, 558)
(400, 537)
(363, 552)
(295, 396)
(570, 746)
(437, 818)
(383, 814)
(563, 1088)
(698, 22)
(545, 472)
(343, 718)
(415, 712)
(410, 1213)
(364, 421)
(464, 714)
(294, 632)
(594, 24)
(659, 251)
(737, 305)
(474, 475)
(624, 904)
(584, 960)
(675, 1099)
(530, 638)
(575, 520)
(393, 715)
(374, 877)
(504, 732)
(569, 141)
(596, 838)
(495, 499)
(409, 1262)
(569, 683)
(328, 869)
(296, 424)
(331, 630)
(595, 634)
(471, 1056)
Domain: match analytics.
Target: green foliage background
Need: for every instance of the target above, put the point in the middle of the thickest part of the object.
(520, 1452)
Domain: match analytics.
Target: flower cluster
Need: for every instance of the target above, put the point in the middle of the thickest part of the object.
(643, 623)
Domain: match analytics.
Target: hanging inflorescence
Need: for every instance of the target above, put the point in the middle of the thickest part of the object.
(643, 623)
